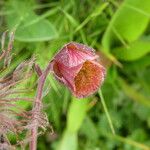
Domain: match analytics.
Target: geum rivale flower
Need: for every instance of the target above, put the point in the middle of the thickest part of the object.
(76, 66)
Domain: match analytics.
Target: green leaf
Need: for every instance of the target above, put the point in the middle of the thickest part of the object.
(76, 114)
(69, 142)
(26, 29)
(127, 24)
(78, 109)
(41, 31)
(133, 52)
(140, 63)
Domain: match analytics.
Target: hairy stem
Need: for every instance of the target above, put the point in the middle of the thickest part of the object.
(38, 107)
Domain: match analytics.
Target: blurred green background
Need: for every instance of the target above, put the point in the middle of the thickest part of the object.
(120, 29)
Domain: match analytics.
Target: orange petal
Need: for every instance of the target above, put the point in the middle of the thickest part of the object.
(89, 79)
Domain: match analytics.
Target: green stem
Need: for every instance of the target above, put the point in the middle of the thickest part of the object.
(106, 112)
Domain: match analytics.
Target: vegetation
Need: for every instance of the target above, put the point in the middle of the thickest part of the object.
(117, 117)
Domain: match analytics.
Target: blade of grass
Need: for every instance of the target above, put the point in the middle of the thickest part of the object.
(106, 112)
(96, 13)
(65, 101)
(47, 5)
(75, 23)
(128, 141)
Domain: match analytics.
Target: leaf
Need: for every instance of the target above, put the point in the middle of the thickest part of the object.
(22, 21)
(78, 109)
(133, 52)
(141, 63)
(127, 24)
(76, 114)
(69, 142)
(41, 31)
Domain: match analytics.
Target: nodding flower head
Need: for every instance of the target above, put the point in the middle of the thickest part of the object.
(76, 66)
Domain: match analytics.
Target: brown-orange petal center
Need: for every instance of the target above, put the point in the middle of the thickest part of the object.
(89, 78)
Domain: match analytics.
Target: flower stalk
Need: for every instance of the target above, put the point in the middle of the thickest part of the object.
(37, 108)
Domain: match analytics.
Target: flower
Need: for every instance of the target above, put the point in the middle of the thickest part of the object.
(76, 66)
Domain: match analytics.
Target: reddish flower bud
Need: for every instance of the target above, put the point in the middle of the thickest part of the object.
(76, 66)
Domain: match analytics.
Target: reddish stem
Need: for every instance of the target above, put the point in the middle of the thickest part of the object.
(38, 70)
(38, 107)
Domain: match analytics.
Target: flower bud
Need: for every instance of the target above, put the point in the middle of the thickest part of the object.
(76, 66)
